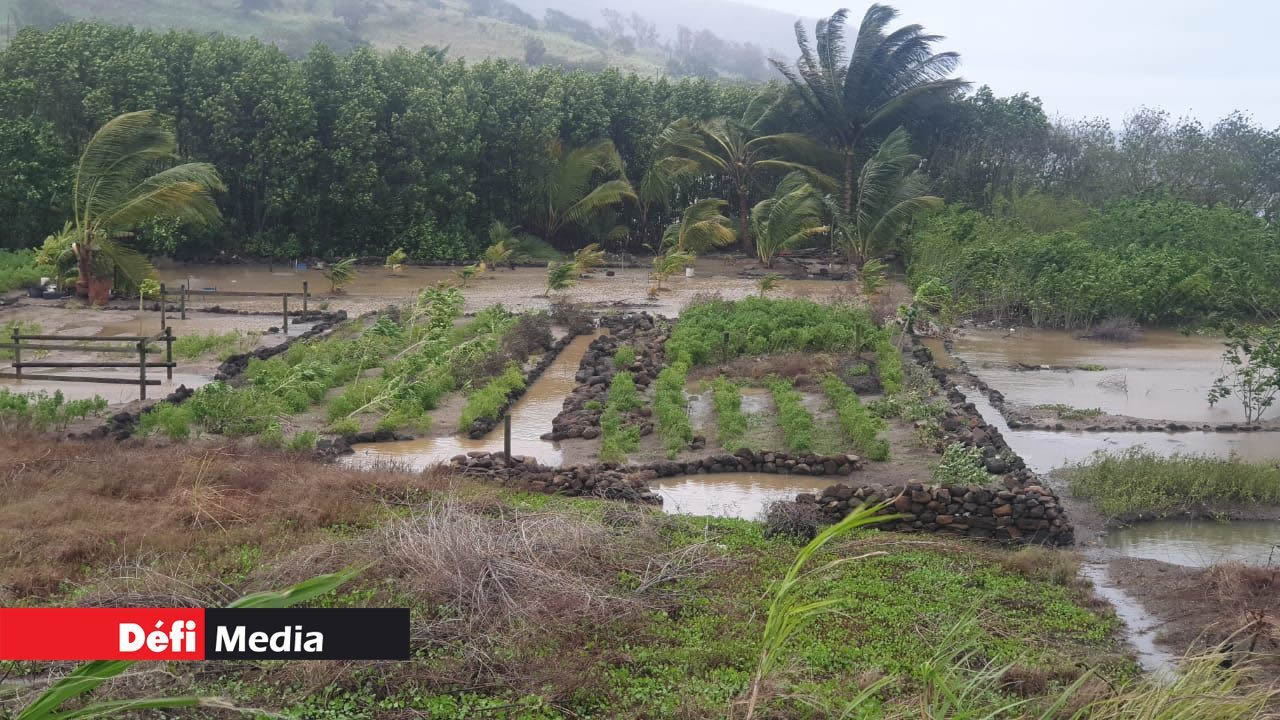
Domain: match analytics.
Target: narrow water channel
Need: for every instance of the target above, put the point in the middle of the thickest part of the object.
(531, 417)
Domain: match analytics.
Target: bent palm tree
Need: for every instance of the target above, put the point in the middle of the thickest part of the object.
(702, 226)
(793, 214)
(115, 191)
(864, 96)
(890, 192)
(734, 150)
(578, 184)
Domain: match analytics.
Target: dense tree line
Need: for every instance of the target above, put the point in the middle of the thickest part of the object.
(328, 155)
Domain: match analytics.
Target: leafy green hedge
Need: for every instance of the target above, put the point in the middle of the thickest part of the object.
(889, 365)
(858, 422)
(793, 416)
(731, 424)
(616, 438)
(18, 269)
(762, 325)
(42, 411)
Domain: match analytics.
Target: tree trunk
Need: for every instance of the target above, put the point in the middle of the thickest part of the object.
(83, 265)
(744, 226)
(846, 202)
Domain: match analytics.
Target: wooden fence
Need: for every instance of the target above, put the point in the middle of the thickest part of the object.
(86, 343)
(184, 292)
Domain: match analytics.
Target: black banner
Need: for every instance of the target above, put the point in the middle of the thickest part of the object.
(307, 634)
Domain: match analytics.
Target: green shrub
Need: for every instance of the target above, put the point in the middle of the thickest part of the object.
(18, 269)
(1139, 482)
(623, 394)
(188, 347)
(624, 358)
(856, 420)
(6, 335)
(172, 421)
(616, 438)
(961, 465)
(669, 405)
(489, 401)
(731, 424)
(889, 365)
(793, 416)
(304, 441)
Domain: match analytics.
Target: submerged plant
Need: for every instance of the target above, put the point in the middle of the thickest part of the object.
(340, 274)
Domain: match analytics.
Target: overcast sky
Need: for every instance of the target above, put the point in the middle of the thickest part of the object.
(1104, 58)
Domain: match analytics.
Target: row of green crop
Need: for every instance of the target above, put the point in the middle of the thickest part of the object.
(670, 406)
(889, 365)
(794, 418)
(616, 437)
(731, 424)
(489, 401)
(42, 411)
(717, 330)
(857, 421)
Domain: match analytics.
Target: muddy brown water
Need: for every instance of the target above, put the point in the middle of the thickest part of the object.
(740, 495)
(531, 417)
(1200, 543)
(1164, 375)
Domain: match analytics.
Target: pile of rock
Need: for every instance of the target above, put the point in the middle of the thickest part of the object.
(1021, 513)
(122, 425)
(523, 473)
(482, 426)
(646, 335)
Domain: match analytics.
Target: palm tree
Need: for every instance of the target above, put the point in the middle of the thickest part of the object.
(864, 95)
(701, 226)
(115, 191)
(559, 276)
(578, 184)
(793, 214)
(890, 192)
(735, 150)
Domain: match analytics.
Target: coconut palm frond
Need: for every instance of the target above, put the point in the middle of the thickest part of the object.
(702, 226)
(131, 263)
(577, 184)
(116, 158)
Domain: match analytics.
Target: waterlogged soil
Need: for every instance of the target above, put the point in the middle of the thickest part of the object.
(740, 495)
(1163, 375)
(524, 288)
(1199, 543)
(531, 417)
(1069, 418)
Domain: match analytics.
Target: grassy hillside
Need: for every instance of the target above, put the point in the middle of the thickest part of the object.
(296, 25)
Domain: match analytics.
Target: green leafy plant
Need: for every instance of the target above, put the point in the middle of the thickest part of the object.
(149, 289)
(889, 365)
(856, 420)
(701, 227)
(731, 423)
(466, 272)
(669, 262)
(669, 404)
(560, 276)
(76, 686)
(716, 330)
(489, 401)
(304, 441)
(794, 214)
(793, 416)
(395, 261)
(872, 276)
(588, 258)
(789, 610)
(340, 274)
(42, 411)
(624, 357)
(961, 465)
(768, 283)
(1252, 360)
(616, 437)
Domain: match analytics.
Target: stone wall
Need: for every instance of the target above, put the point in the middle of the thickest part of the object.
(1017, 507)
(522, 473)
(646, 334)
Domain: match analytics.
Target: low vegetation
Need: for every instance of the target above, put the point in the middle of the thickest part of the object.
(731, 423)
(961, 465)
(717, 330)
(794, 418)
(1067, 412)
(624, 357)
(42, 411)
(18, 269)
(856, 420)
(617, 438)
(189, 347)
(1139, 483)
(671, 408)
(889, 365)
(488, 402)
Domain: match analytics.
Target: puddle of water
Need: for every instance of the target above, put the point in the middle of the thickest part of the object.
(1044, 451)
(1164, 375)
(531, 417)
(740, 495)
(1199, 543)
(112, 393)
(1142, 627)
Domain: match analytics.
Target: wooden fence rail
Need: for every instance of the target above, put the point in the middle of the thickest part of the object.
(184, 292)
(142, 347)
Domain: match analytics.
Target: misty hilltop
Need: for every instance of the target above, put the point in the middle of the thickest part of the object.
(709, 38)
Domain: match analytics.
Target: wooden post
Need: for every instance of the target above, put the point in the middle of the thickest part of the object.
(163, 300)
(168, 352)
(506, 437)
(142, 371)
(285, 297)
(305, 294)
(182, 304)
(17, 353)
